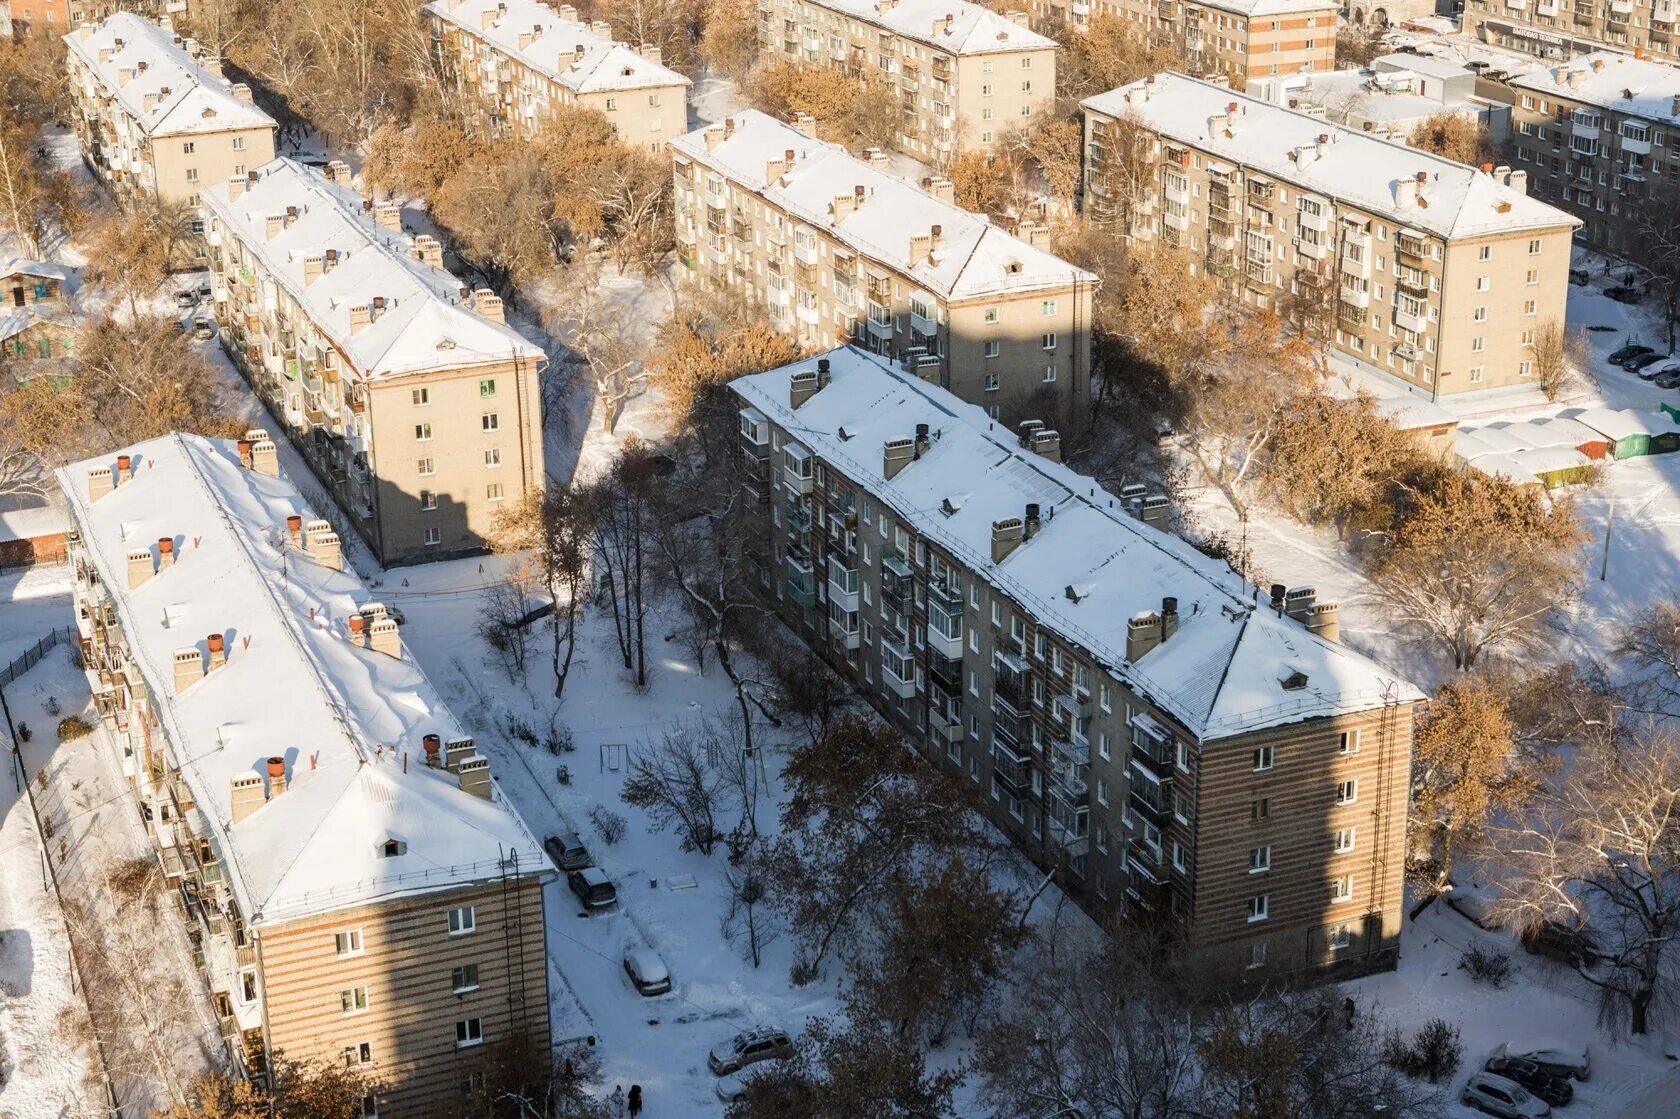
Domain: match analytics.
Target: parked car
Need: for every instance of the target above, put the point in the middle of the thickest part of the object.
(731, 1088)
(1566, 944)
(647, 972)
(1627, 350)
(766, 1043)
(1622, 293)
(1578, 275)
(593, 887)
(1653, 371)
(204, 329)
(1668, 379)
(1506, 1098)
(1643, 361)
(1555, 1090)
(186, 297)
(1560, 1058)
(568, 851)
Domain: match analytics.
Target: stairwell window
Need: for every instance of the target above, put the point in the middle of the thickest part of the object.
(349, 942)
(1259, 907)
(353, 1000)
(1260, 860)
(422, 432)
(487, 387)
(1049, 374)
(420, 397)
(1263, 758)
(434, 536)
(464, 979)
(1048, 342)
(1048, 307)
(469, 1032)
(188, 147)
(428, 501)
(1349, 743)
(993, 349)
(493, 492)
(425, 467)
(1347, 792)
(1342, 889)
(1343, 842)
(493, 457)
(490, 421)
(463, 920)
(359, 1054)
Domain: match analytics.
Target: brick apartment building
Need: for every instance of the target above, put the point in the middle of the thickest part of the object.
(520, 60)
(1562, 29)
(1166, 737)
(405, 390)
(1436, 275)
(355, 885)
(966, 75)
(154, 119)
(838, 248)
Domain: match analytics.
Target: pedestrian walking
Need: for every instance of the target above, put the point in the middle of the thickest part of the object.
(635, 1100)
(616, 1102)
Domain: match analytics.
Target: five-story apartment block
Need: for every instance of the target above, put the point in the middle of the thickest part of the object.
(1238, 40)
(1600, 137)
(407, 392)
(966, 75)
(1561, 29)
(1432, 274)
(1135, 717)
(520, 60)
(355, 886)
(837, 248)
(152, 119)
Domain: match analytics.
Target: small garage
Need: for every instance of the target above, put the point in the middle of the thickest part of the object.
(1634, 434)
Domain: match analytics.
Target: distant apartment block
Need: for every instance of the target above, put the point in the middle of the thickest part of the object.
(966, 75)
(1237, 40)
(405, 390)
(1427, 272)
(1138, 719)
(154, 120)
(46, 17)
(1391, 96)
(520, 60)
(1600, 138)
(1562, 29)
(839, 249)
(355, 886)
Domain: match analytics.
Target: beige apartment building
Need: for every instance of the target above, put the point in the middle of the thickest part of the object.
(407, 393)
(1562, 29)
(1234, 40)
(154, 119)
(355, 886)
(967, 76)
(1431, 274)
(520, 61)
(1600, 137)
(839, 249)
(1133, 714)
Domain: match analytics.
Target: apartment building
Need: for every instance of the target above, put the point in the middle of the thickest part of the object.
(1129, 710)
(1425, 272)
(520, 61)
(838, 248)
(355, 886)
(1562, 29)
(1236, 40)
(45, 17)
(154, 120)
(407, 393)
(37, 321)
(966, 75)
(1600, 137)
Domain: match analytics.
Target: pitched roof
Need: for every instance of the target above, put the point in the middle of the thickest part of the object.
(974, 258)
(348, 721)
(1617, 82)
(954, 26)
(189, 98)
(554, 47)
(69, 278)
(1219, 675)
(426, 323)
(1359, 169)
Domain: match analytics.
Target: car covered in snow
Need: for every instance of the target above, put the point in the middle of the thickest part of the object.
(647, 972)
(1560, 1058)
(567, 851)
(593, 887)
(765, 1043)
(1555, 1090)
(1495, 1095)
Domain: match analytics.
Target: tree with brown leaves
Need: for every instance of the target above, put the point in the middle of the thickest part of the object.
(714, 337)
(1330, 458)
(729, 44)
(850, 112)
(316, 1091)
(1454, 136)
(1558, 354)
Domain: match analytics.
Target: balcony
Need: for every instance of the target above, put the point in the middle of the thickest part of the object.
(1009, 685)
(1151, 800)
(1314, 249)
(1406, 320)
(1636, 145)
(923, 325)
(946, 724)
(1013, 771)
(842, 585)
(898, 672)
(1356, 297)
(1414, 245)
(945, 672)
(801, 581)
(1360, 267)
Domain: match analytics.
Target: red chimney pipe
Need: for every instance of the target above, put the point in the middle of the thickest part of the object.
(217, 642)
(166, 544)
(277, 767)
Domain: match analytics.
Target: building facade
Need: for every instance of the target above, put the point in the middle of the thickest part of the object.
(154, 120)
(46, 17)
(37, 321)
(355, 886)
(966, 75)
(1562, 29)
(1129, 711)
(407, 393)
(838, 249)
(1600, 137)
(1431, 274)
(519, 61)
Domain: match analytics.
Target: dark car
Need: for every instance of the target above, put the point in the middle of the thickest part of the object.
(1564, 943)
(593, 887)
(1667, 379)
(1555, 1090)
(1643, 361)
(1577, 275)
(1627, 350)
(567, 851)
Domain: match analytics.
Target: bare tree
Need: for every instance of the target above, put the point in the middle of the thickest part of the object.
(1558, 354)
(623, 527)
(679, 782)
(1650, 642)
(748, 921)
(501, 623)
(810, 691)
(602, 339)
(1656, 245)
(550, 534)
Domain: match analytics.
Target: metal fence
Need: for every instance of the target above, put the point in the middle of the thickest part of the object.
(32, 656)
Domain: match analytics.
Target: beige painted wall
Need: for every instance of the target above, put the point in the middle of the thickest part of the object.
(1515, 291)
(185, 165)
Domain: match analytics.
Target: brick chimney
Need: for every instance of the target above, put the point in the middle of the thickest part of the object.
(896, 454)
(1143, 633)
(456, 751)
(1324, 619)
(921, 246)
(360, 315)
(242, 92)
(101, 481)
(247, 796)
(313, 265)
(1007, 535)
(389, 216)
(140, 567)
(338, 173)
(265, 459)
(383, 638)
(323, 545)
(1048, 444)
(652, 52)
(474, 776)
(602, 28)
(429, 250)
(217, 644)
(189, 669)
(273, 224)
(276, 777)
(488, 304)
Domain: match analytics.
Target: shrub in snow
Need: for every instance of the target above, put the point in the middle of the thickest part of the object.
(609, 825)
(518, 728)
(1492, 968)
(558, 740)
(72, 727)
(53, 708)
(1432, 1054)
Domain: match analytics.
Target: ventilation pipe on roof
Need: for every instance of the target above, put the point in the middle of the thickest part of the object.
(264, 458)
(1032, 522)
(1143, 633)
(217, 644)
(1169, 618)
(896, 454)
(276, 777)
(100, 481)
(433, 745)
(1278, 592)
(923, 443)
(246, 795)
(166, 553)
(1006, 537)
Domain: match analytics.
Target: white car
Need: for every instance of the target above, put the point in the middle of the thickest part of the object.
(1560, 1058)
(731, 1088)
(647, 972)
(1496, 1095)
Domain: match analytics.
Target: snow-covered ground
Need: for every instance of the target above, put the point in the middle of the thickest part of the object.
(34, 600)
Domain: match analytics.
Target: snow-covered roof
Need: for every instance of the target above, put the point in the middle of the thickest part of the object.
(69, 279)
(564, 50)
(426, 323)
(1358, 169)
(1258, 9)
(1219, 675)
(1526, 435)
(953, 26)
(1622, 424)
(30, 518)
(1617, 82)
(347, 720)
(188, 98)
(973, 258)
(1409, 413)
(19, 319)
(1425, 64)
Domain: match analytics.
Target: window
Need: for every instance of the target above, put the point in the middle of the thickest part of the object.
(1349, 743)
(370, 1106)
(188, 147)
(1486, 253)
(493, 457)
(1525, 369)
(1049, 374)
(1048, 341)
(469, 1032)
(1340, 937)
(1263, 758)
(1476, 372)
(1534, 247)
(1254, 954)
(464, 979)
(1343, 841)
(192, 174)
(1347, 791)
(1481, 314)
(425, 467)
(359, 1054)
(248, 986)
(1478, 344)
(1102, 792)
(1183, 760)
(993, 349)
(1342, 889)
(490, 421)
(1048, 307)
(1260, 860)
(420, 397)
(1259, 907)
(991, 314)
(462, 920)
(1483, 283)
(1533, 276)
(487, 387)
(1530, 307)
(612, 104)
(353, 1000)
(428, 500)
(349, 943)
(1259, 808)
(239, 143)
(653, 100)
(434, 536)
(422, 432)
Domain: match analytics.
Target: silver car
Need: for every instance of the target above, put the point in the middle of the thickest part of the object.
(1496, 1095)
